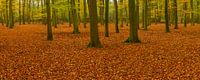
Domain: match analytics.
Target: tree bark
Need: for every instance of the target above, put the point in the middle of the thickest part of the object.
(133, 38)
(49, 27)
(116, 16)
(107, 18)
(94, 36)
(166, 16)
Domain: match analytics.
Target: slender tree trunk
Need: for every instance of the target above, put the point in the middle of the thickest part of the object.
(49, 27)
(85, 14)
(116, 16)
(11, 20)
(137, 14)
(1, 19)
(106, 18)
(7, 14)
(133, 38)
(29, 11)
(175, 14)
(94, 36)
(198, 15)
(145, 21)
(79, 12)
(192, 14)
(74, 17)
(23, 10)
(69, 14)
(127, 20)
(166, 16)
(185, 14)
(32, 15)
(54, 15)
(20, 20)
(101, 12)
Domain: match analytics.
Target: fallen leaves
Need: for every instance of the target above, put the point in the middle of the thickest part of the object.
(25, 54)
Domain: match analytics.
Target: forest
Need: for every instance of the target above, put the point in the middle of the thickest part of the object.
(99, 39)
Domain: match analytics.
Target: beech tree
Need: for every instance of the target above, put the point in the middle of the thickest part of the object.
(116, 16)
(11, 20)
(175, 13)
(106, 18)
(133, 36)
(94, 36)
(49, 27)
(74, 17)
(166, 16)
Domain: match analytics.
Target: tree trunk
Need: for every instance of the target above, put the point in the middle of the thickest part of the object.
(145, 21)
(166, 16)
(7, 14)
(94, 36)
(20, 20)
(116, 16)
(133, 38)
(85, 14)
(74, 17)
(11, 20)
(175, 14)
(49, 27)
(137, 14)
(185, 14)
(107, 18)
(23, 10)
(54, 15)
(192, 14)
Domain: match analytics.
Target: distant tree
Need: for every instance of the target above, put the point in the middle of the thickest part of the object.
(94, 36)
(49, 27)
(192, 13)
(11, 20)
(7, 14)
(145, 21)
(101, 12)
(20, 20)
(175, 13)
(138, 13)
(85, 13)
(74, 17)
(185, 14)
(166, 16)
(54, 14)
(133, 37)
(23, 12)
(106, 18)
(116, 16)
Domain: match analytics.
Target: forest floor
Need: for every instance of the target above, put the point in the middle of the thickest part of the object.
(26, 54)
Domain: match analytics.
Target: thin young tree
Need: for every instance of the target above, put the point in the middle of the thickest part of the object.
(192, 12)
(106, 18)
(20, 16)
(11, 20)
(54, 14)
(101, 12)
(49, 27)
(175, 13)
(85, 13)
(94, 35)
(116, 16)
(23, 11)
(145, 21)
(166, 16)
(133, 36)
(7, 14)
(74, 17)
(185, 14)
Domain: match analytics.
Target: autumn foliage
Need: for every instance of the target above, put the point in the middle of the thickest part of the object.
(26, 54)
